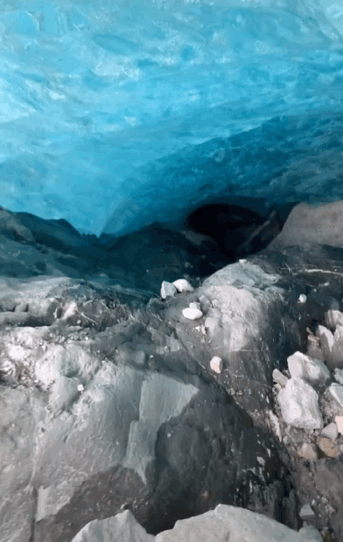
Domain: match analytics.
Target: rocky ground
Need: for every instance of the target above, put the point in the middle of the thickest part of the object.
(125, 390)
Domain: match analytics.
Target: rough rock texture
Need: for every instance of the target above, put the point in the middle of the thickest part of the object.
(332, 347)
(312, 370)
(299, 405)
(108, 397)
(149, 430)
(221, 524)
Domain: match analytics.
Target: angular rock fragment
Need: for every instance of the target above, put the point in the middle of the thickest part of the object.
(280, 378)
(299, 405)
(333, 318)
(312, 370)
(313, 347)
(182, 285)
(306, 512)
(167, 289)
(336, 390)
(330, 431)
(332, 349)
(338, 375)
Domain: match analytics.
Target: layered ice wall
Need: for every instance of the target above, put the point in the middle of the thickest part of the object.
(117, 113)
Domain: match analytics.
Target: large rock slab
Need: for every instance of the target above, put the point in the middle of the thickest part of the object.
(312, 224)
(104, 408)
(223, 523)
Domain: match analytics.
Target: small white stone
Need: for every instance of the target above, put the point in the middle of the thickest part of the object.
(182, 285)
(242, 260)
(216, 364)
(306, 512)
(302, 298)
(339, 423)
(192, 314)
(330, 431)
(167, 289)
(80, 387)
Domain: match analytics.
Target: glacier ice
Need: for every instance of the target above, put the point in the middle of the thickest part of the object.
(114, 114)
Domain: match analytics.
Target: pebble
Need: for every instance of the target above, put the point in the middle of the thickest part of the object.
(182, 285)
(167, 289)
(302, 298)
(216, 364)
(192, 313)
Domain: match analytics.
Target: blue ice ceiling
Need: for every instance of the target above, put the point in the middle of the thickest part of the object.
(116, 113)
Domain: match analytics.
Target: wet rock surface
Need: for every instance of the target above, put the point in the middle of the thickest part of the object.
(109, 400)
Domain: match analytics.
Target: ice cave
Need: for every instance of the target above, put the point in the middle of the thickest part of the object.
(171, 270)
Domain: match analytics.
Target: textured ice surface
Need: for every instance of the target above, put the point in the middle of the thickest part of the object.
(115, 113)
